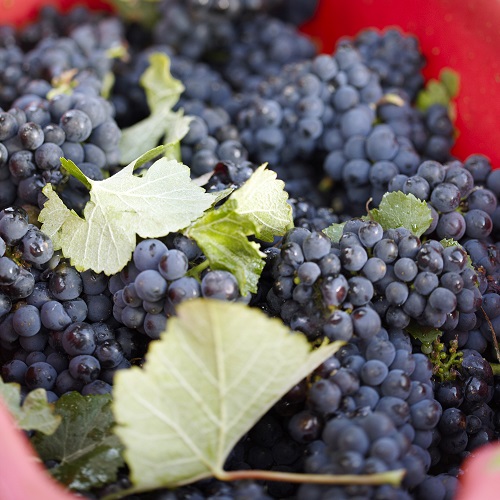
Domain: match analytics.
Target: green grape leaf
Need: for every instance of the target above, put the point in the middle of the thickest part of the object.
(450, 242)
(35, 413)
(263, 200)
(89, 454)
(162, 200)
(451, 80)
(144, 12)
(402, 210)
(441, 91)
(426, 334)
(217, 369)
(259, 208)
(334, 232)
(163, 124)
(222, 234)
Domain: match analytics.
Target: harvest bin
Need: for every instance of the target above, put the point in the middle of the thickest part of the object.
(463, 36)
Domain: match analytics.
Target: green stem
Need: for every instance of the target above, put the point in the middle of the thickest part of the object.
(393, 477)
(496, 368)
(197, 270)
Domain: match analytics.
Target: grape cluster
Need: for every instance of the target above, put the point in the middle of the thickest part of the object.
(327, 290)
(468, 419)
(51, 314)
(147, 290)
(36, 133)
(460, 208)
(396, 58)
(197, 29)
(264, 45)
(79, 45)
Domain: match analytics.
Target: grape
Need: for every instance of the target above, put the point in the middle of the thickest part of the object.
(78, 339)
(65, 283)
(478, 224)
(30, 135)
(76, 125)
(150, 285)
(173, 264)
(148, 253)
(26, 321)
(84, 368)
(36, 247)
(445, 197)
(40, 375)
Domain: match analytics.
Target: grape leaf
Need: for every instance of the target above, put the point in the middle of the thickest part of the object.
(263, 200)
(402, 210)
(451, 80)
(440, 91)
(160, 201)
(426, 334)
(144, 12)
(259, 208)
(215, 371)
(334, 232)
(163, 124)
(222, 235)
(88, 452)
(35, 414)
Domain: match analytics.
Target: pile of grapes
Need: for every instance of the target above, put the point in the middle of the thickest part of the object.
(340, 130)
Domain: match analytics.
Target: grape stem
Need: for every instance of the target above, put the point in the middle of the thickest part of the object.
(495, 367)
(197, 270)
(493, 335)
(393, 477)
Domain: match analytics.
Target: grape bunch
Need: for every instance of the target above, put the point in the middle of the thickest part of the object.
(396, 58)
(197, 29)
(371, 275)
(36, 133)
(460, 208)
(468, 415)
(147, 290)
(48, 311)
(77, 47)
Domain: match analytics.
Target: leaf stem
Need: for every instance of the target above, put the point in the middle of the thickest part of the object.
(393, 477)
(197, 270)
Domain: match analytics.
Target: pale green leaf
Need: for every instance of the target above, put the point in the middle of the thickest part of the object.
(58, 213)
(263, 200)
(335, 231)
(218, 368)
(161, 201)
(222, 235)
(163, 124)
(169, 127)
(403, 210)
(35, 414)
(140, 137)
(162, 89)
(88, 453)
